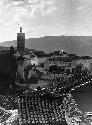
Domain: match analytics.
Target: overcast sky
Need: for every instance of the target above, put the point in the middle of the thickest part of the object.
(45, 17)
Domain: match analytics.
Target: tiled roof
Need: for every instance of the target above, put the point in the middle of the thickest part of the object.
(64, 59)
(4, 115)
(40, 109)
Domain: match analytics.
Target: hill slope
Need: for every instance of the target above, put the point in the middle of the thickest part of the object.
(80, 45)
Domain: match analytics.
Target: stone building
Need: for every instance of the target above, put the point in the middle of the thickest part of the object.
(21, 41)
(65, 64)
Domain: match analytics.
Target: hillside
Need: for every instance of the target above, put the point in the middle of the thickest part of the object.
(80, 45)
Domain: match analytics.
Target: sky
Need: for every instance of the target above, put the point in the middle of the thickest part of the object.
(41, 18)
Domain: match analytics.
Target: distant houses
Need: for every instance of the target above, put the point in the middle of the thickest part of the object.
(68, 62)
(60, 60)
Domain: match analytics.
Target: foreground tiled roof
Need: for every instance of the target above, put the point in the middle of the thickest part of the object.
(42, 109)
(4, 115)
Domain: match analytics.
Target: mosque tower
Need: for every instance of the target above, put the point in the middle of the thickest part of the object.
(21, 41)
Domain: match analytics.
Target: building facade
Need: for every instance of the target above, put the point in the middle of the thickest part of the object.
(87, 63)
(65, 64)
(68, 64)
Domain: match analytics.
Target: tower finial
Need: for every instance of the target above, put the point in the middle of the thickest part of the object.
(20, 29)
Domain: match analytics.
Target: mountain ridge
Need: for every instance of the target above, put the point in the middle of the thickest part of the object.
(80, 45)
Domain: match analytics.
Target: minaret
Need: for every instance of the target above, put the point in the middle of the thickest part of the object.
(20, 41)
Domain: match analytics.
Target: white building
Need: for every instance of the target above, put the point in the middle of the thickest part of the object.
(30, 59)
(34, 61)
(65, 63)
(87, 63)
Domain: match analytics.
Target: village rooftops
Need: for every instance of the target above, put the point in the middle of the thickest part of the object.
(69, 58)
(64, 59)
